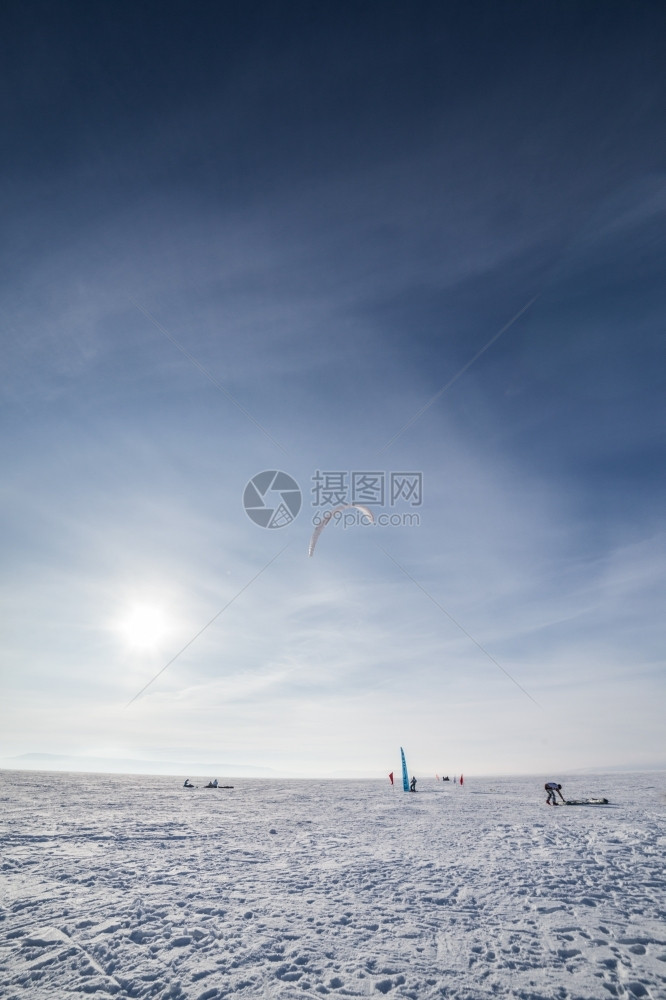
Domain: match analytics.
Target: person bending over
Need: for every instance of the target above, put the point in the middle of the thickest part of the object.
(551, 788)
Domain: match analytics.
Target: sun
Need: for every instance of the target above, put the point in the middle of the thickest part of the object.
(145, 626)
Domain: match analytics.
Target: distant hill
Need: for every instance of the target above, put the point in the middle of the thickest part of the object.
(130, 765)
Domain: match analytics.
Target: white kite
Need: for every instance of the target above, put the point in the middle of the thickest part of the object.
(331, 513)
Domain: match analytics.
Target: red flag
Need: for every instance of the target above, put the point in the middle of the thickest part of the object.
(391, 777)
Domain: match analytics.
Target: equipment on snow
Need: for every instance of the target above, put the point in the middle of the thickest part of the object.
(586, 802)
(405, 777)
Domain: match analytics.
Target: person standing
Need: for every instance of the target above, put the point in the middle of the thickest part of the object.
(551, 788)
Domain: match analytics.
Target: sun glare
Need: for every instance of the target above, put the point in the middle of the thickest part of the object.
(145, 626)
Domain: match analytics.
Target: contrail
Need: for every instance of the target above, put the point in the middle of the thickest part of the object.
(459, 626)
(204, 371)
(462, 371)
(202, 630)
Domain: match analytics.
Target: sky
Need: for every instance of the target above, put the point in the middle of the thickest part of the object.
(408, 255)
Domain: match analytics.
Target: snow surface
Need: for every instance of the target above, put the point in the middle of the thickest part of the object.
(132, 886)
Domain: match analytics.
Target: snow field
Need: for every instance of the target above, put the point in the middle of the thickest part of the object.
(126, 886)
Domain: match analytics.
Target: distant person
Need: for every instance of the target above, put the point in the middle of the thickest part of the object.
(552, 787)
(412, 785)
(188, 783)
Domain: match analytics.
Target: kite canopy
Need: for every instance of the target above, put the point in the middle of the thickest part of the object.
(331, 513)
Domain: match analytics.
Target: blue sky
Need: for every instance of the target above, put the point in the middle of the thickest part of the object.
(254, 237)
